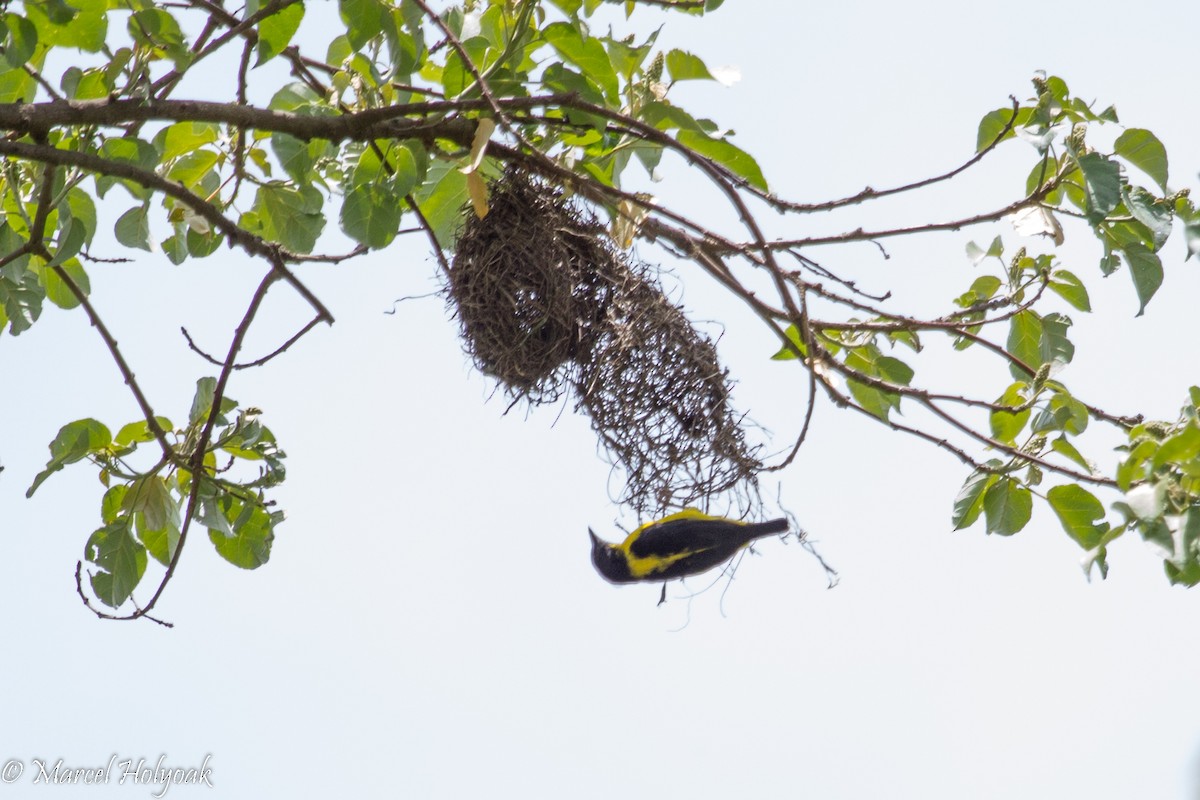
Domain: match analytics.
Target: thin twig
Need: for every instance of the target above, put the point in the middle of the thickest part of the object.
(874, 194)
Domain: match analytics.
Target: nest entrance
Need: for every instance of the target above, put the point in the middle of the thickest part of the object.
(548, 305)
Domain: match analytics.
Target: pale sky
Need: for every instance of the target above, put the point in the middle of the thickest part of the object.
(430, 625)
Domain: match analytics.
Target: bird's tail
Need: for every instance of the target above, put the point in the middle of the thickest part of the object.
(757, 530)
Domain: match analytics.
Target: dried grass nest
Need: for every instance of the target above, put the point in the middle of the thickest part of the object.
(548, 304)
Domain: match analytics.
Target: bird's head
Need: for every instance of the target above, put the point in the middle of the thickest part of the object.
(608, 560)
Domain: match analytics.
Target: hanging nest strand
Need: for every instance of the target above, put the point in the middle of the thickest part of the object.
(547, 303)
(659, 400)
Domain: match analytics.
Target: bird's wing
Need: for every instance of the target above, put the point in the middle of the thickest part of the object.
(672, 537)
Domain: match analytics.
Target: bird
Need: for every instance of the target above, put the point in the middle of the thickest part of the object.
(685, 543)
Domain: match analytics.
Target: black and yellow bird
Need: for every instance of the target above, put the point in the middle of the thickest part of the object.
(686, 543)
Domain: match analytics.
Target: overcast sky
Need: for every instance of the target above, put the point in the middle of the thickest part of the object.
(430, 626)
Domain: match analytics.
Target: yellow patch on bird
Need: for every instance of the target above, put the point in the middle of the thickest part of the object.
(641, 567)
(687, 513)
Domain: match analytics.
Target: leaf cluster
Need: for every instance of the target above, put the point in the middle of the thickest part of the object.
(143, 509)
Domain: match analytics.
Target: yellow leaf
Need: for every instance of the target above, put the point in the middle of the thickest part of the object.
(477, 188)
(628, 221)
(483, 133)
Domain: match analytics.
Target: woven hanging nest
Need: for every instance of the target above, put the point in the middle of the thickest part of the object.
(522, 284)
(548, 304)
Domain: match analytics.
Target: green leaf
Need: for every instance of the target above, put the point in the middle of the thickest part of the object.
(191, 169)
(136, 432)
(83, 211)
(995, 121)
(291, 217)
(585, 52)
(202, 403)
(1077, 510)
(1146, 270)
(1191, 235)
(627, 58)
(1070, 288)
(85, 84)
(296, 156)
(175, 246)
(1102, 185)
(1181, 565)
(200, 245)
(133, 228)
(276, 31)
(736, 160)
(20, 40)
(982, 288)
(667, 117)
(121, 560)
(16, 86)
(1007, 507)
(1025, 342)
(56, 12)
(132, 151)
(1157, 534)
(58, 291)
(1147, 209)
(569, 7)
(363, 19)
(456, 77)
(441, 199)
(73, 443)
(684, 66)
(16, 267)
(184, 137)
(1178, 449)
(1190, 576)
(1063, 445)
(294, 97)
(157, 29)
(149, 495)
(371, 215)
(874, 401)
(868, 361)
(1062, 413)
(786, 353)
(83, 24)
(1143, 149)
(110, 506)
(893, 370)
(908, 338)
(408, 167)
(968, 505)
(1007, 426)
(558, 78)
(1096, 557)
(21, 301)
(977, 254)
(160, 543)
(252, 531)
(1056, 347)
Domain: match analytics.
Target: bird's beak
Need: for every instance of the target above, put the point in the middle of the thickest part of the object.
(596, 540)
